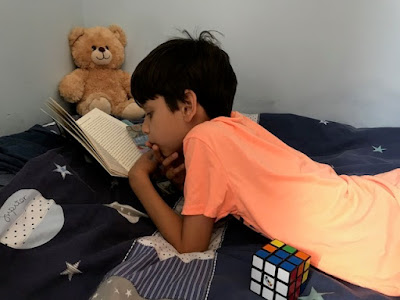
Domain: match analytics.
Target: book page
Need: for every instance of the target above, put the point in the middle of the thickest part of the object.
(111, 134)
(62, 117)
(113, 167)
(66, 120)
(71, 127)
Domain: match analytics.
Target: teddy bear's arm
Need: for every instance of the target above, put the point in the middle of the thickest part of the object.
(72, 86)
(126, 82)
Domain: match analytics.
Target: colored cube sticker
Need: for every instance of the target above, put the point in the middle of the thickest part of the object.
(279, 271)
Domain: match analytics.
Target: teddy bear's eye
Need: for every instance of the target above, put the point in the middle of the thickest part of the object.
(107, 48)
(93, 48)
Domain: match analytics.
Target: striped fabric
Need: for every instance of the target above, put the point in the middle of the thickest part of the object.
(158, 271)
(171, 278)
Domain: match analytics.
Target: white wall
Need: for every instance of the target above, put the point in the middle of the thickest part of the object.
(332, 59)
(34, 56)
(329, 59)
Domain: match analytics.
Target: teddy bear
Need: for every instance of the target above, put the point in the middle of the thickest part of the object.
(98, 81)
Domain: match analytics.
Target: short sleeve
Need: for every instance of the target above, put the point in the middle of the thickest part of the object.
(205, 183)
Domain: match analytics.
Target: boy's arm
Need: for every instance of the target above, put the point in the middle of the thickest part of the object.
(186, 234)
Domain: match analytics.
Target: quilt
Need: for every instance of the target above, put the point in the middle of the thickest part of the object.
(70, 231)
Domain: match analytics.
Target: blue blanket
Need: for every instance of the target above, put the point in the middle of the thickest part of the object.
(79, 246)
(17, 149)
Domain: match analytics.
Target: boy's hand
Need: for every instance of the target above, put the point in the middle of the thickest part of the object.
(175, 174)
(172, 167)
(145, 165)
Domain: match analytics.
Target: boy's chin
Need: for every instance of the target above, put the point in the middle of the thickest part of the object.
(166, 152)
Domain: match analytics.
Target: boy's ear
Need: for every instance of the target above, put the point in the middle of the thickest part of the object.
(189, 106)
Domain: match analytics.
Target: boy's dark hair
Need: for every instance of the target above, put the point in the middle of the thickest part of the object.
(187, 63)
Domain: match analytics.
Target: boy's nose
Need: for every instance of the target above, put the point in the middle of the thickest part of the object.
(145, 127)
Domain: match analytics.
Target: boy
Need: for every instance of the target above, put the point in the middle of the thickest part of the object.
(234, 166)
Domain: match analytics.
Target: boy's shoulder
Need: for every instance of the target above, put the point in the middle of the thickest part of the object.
(219, 129)
(208, 128)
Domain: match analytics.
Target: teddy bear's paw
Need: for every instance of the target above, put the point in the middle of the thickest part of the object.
(71, 89)
(132, 112)
(101, 103)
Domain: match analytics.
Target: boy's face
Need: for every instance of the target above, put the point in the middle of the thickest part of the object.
(164, 128)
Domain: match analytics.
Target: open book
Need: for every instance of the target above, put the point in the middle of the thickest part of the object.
(105, 137)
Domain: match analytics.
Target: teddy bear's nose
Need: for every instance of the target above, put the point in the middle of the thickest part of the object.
(101, 49)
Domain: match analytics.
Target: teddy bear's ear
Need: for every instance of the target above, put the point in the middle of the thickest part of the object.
(75, 33)
(119, 33)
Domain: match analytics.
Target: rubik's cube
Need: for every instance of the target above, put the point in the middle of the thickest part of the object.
(279, 271)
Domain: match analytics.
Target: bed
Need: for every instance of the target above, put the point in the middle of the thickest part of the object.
(70, 231)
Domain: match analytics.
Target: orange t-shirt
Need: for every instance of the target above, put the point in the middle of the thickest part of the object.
(350, 225)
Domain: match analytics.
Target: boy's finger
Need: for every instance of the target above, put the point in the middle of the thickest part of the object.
(180, 168)
(157, 153)
(172, 172)
(166, 162)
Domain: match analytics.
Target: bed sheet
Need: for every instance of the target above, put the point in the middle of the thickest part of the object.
(17, 149)
(89, 242)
